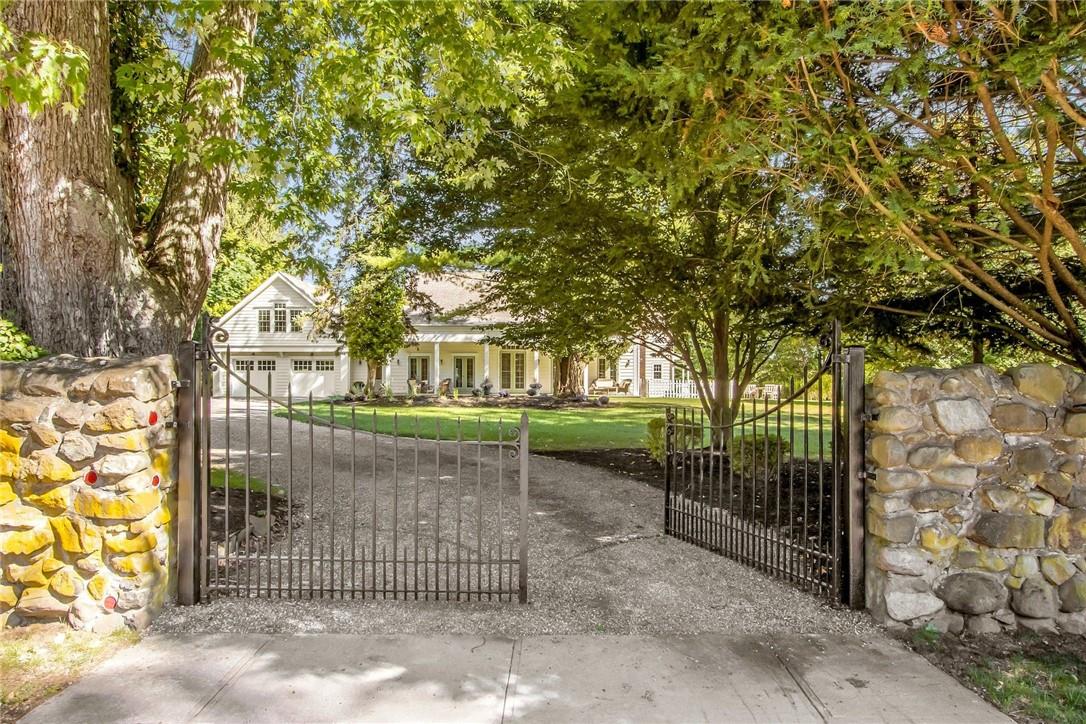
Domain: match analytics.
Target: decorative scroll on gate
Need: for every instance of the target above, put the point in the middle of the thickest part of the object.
(301, 498)
(780, 488)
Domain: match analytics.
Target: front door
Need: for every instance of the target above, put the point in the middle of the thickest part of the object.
(464, 372)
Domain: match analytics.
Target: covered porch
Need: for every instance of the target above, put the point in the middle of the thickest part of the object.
(467, 362)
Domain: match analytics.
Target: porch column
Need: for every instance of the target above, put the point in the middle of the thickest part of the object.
(387, 374)
(486, 361)
(535, 366)
(437, 366)
(586, 377)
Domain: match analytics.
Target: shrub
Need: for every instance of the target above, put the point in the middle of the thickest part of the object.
(654, 439)
(748, 453)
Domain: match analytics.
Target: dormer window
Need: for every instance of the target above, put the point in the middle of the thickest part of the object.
(295, 320)
(280, 317)
(263, 320)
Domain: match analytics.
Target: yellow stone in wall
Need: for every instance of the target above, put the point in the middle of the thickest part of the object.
(131, 440)
(158, 518)
(130, 506)
(56, 500)
(52, 469)
(7, 493)
(76, 536)
(161, 463)
(32, 575)
(66, 583)
(936, 540)
(96, 586)
(133, 563)
(22, 542)
(7, 597)
(138, 544)
(10, 443)
(11, 466)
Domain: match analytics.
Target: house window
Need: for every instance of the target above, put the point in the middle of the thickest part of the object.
(265, 365)
(601, 369)
(280, 317)
(301, 365)
(295, 320)
(263, 320)
(418, 368)
(657, 371)
(243, 365)
(512, 371)
(326, 365)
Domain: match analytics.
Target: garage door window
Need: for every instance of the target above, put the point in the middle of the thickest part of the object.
(265, 365)
(243, 365)
(326, 365)
(302, 365)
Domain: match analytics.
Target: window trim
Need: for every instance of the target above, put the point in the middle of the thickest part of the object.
(318, 365)
(263, 321)
(301, 365)
(265, 365)
(279, 318)
(294, 321)
(657, 371)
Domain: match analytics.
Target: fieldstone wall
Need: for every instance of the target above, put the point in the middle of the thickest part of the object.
(976, 509)
(86, 470)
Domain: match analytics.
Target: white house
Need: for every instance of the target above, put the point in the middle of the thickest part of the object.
(269, 334)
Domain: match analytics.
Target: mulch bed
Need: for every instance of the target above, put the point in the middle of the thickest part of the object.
(538, 402)
(962, 657)
(257, 505)
(754, 498)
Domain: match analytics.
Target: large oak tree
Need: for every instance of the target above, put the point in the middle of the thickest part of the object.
(121, 125)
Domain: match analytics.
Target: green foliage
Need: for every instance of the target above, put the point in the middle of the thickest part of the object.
(750, 453)
(39, 72)
(655, 441)
(374, 325)
(252, 249)
(1048, 687)
(16, 345)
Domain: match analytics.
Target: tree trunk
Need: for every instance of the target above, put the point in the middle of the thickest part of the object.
(569, 380)
(78, 275)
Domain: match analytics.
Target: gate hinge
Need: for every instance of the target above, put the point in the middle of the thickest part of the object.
(177, 384)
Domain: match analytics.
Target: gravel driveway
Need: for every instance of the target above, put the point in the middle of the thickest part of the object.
(598, 562)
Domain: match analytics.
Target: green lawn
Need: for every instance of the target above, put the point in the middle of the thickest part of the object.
(237, 480)
(621, 424)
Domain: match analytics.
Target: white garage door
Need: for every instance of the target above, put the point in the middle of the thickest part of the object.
(257, 369)
(313, 375)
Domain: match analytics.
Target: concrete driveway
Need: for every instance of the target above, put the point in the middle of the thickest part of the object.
(711, 677)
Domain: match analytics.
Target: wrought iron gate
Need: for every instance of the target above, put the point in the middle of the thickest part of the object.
(274, 500)
(781, 488)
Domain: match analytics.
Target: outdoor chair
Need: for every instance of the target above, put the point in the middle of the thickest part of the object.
(624, 387)
(444, 388)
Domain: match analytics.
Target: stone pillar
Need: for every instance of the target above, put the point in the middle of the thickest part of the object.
(976, 508)
(86, 490)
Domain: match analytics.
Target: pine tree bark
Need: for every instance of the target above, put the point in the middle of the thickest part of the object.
(78, 274)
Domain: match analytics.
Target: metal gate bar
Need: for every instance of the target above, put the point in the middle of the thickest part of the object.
(744, 490)
(233, 543)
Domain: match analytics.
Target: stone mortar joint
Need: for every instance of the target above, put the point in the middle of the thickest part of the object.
(86, 479)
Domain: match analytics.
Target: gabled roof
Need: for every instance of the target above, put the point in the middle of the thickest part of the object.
(299, 285)
(456, 296)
